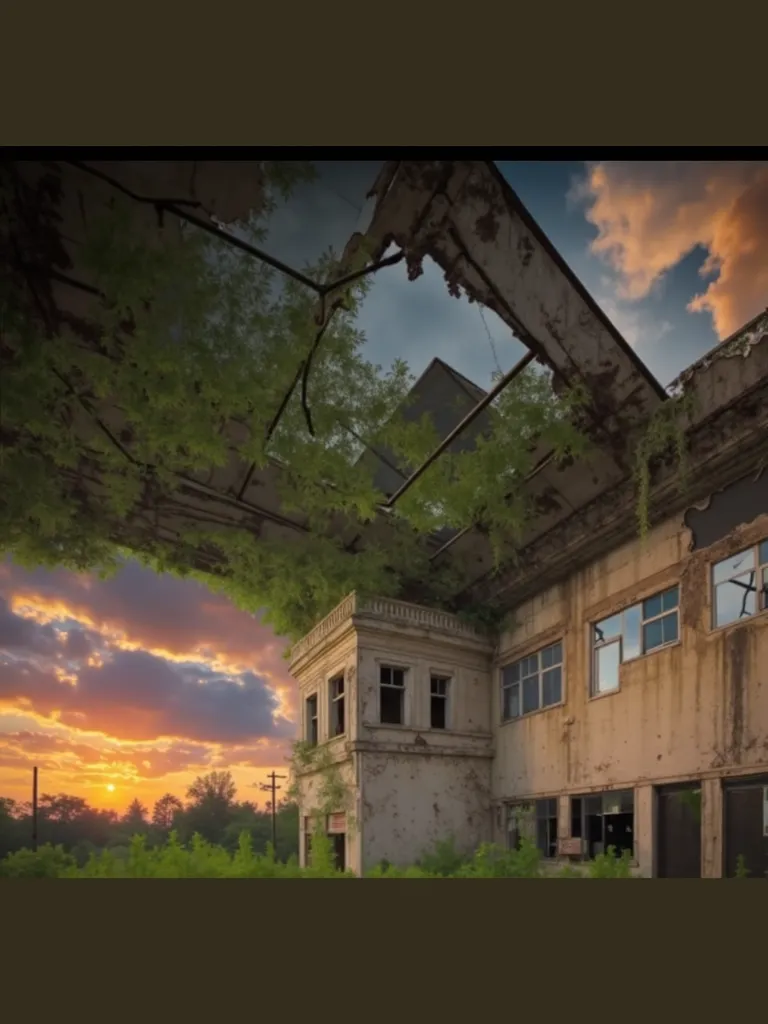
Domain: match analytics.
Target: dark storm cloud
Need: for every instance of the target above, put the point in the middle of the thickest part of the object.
(155, 611)
(21, 635)
(137, 696)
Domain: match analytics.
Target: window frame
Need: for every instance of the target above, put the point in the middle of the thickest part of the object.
(439, 677)
(308, 720)
(393, 667)
(618, 639)
(333, 702)
(760, 570)
(531, 814)
(604, 794)
(541, 670)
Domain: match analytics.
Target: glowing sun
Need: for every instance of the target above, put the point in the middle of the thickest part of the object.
(110, 788)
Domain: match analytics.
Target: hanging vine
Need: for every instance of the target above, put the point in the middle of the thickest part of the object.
(664, 436)
(332, 795)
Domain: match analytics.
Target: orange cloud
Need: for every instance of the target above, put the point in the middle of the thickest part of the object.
(650, 216)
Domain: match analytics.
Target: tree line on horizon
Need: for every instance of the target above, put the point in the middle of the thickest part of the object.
(211, 811)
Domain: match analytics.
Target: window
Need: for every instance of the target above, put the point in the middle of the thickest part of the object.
(638, 630)
(740, 585)
(546, 827)
(310, 720)
(519, 824)
(336, 689)
(537, 822)
(532, 683)
(438, 702)
(391, 695)
(602, 820)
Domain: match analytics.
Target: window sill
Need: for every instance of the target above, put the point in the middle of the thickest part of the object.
(532, 714)
(738, 622)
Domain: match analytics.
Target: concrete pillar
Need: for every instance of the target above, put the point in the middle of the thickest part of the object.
(711, 828)
(645, 832)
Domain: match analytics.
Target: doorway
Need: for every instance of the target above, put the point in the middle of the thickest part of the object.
(745, 807)
(678, 831)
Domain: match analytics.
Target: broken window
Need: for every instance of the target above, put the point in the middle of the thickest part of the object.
(438, 710)
(310, 720)
(520, 824)
(546, 827)
(336, 689)
(532, 683)
(391, 695)
(604, 820)
(638, 630)
(740, 585)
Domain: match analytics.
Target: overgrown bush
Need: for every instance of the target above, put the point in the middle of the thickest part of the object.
(201, 859)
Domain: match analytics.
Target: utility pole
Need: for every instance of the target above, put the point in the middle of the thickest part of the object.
(34, 809)
(273, 786)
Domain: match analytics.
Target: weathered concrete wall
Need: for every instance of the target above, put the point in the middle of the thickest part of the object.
(410, 801)
(698, 709)
(423, 654)
(310, 786)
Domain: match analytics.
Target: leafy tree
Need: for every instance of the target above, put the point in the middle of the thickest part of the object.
(165, 811)
(188, 338)
(135, 821)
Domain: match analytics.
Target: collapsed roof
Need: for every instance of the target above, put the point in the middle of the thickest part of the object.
(465, 217)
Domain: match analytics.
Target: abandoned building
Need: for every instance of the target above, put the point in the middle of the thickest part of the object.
(626, 703)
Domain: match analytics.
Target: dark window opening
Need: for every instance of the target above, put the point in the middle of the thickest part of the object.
(605, 820)
(337, 706)
(546, 827)
(391, 695)
(746, 828)
(439, 686)
(307, 842)
(339, 850)
(311, 720)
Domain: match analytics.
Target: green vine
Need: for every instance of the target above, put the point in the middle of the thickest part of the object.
(665, 435)
(333, 794)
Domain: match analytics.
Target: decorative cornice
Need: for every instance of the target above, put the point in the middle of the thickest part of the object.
(385, 609)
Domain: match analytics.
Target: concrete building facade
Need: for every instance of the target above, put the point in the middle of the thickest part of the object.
(625, 704)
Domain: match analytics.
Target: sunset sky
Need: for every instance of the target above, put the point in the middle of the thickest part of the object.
(144, 681)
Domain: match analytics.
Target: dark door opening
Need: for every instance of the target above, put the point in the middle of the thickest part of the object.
(746, 828)
(678, 831)
(339, 849)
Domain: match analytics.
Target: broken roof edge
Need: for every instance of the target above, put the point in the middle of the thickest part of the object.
(724, 350)
(535, 228)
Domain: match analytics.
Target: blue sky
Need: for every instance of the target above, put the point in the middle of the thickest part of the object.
(661, 215)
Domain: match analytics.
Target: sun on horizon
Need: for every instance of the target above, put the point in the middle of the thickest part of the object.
(110, 787)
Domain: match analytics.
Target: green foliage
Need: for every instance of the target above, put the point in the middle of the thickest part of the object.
(664, 435)
(332, 795)
(742, 871)
(47, 862)
(190, 337)
(212, 811)
(608, 865)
